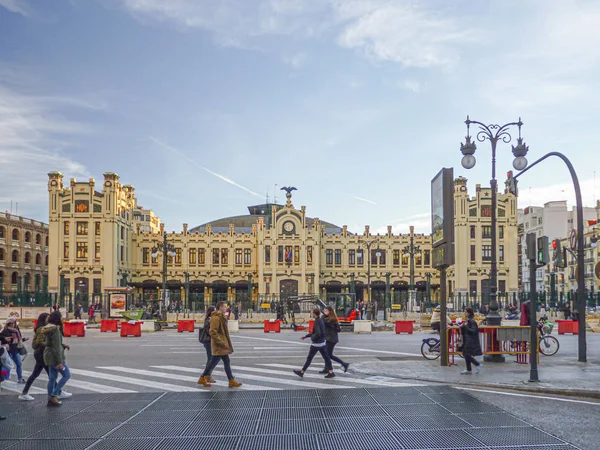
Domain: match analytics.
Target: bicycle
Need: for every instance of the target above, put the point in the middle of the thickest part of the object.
(549, 345)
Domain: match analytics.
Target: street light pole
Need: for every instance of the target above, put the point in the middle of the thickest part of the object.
(167, 250)
(411, 250)
(493, 133)
(368, 243)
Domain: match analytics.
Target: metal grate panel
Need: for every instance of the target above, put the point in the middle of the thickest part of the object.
(234, 403)
(187, 396)
(353, 411)
(202, 443)
(91, 417)
(216, 415)
(75, 430)
(404, 399)
(139, 430)
(351, 424)
(133, 406)
(457, 397)
(287, 442)
(492, 420)
(292, 413)
(385, 391)
(347, 401)
(164, 416)
(89, 397)
(343, 393)
(304, 393)
(357, 441)
(174, 405)
(295, 426)
(221, 428)
(431, 423)
(128, 444)
(126, 397)
(426, 439)
(17, 431)
(471, 407)
(238, 394)
(54, 444)
(7, 443)
(294, 402)
(514, 436)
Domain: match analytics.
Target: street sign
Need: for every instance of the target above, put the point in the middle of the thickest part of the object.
(573, 239)
(597, 270)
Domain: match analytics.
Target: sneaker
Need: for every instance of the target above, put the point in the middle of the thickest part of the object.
(330, 375)
(26, 397)
(478, 369)
(299, 373)
(345, 366)
(54, 401)
(465, 372)
(323, 371)
(64, 394)
(22, 381)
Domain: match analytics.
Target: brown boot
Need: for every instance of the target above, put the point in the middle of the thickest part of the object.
(233, 383)
(210, 379)
(54, 401)
(204, 381)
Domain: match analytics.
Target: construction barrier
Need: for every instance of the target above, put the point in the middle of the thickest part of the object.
(131, 329)
(74, 329)
(109, 325)
(495, 340)
(404, 326)
(185, 325)
(568, 326)
(311, 325)
(274, 326)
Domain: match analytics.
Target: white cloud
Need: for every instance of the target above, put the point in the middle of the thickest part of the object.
(16, 6)
(421, 222)
(297, 60)
(411, 85)
(538, 195)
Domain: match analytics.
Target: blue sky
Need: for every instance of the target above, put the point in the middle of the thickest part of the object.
(206, 105)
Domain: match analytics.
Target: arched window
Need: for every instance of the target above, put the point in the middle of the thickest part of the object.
(46, 241)
(38, 281)
(27, 236)
(1, 254)
(13, 278)
(15, 235)
(38, 239)
(15, 256)
(27, 258)
(26, 282)
(46, 259)
(38, 259)
(2, 231)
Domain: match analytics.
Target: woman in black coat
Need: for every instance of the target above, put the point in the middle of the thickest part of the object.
(318, 345)
(471, 344)
(332, 328)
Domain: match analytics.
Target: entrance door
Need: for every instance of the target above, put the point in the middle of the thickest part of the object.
(288, 288)
(81, 292)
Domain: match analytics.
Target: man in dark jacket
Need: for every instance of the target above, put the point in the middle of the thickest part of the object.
(471, 344)
(318, 345)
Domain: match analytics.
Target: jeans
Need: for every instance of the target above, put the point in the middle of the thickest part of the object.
(330, 347)
(16, 357)
(311, 354)
(208, 353)
(39, 366)
(55, 387)
(470, 359)
(213, 363)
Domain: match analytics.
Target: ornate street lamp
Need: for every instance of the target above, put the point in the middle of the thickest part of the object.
(368, 244)
(493, 133)
(412, 250)
(167, 250)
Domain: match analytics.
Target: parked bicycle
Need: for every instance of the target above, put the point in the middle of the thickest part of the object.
(549, 345)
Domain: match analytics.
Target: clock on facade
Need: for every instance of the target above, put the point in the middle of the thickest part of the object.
(288, 226)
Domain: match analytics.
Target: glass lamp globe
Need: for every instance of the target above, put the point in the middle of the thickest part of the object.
(468, 161)
(520, 162)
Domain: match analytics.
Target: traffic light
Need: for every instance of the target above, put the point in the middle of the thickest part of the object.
(531, 250)
(511, 183)
(559, 254)
(542, 251)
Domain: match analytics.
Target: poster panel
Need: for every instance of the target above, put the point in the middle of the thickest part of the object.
(118, 303)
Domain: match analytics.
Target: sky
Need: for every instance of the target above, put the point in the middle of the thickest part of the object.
(209, 106)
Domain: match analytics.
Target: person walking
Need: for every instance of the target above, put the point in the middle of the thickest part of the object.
(332, 328)
(471, 344)
(38, 354)
(205, 340)
(12, 335)
(77, 311)
(318, 345)
(220, 345)
(91, 312)
(54, 358)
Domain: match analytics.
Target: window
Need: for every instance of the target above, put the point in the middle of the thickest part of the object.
(178, 253)
(27, 236)
(267, 253)
(501, 253)
(419, 260)
(486, 232)
(338, 256)
(82, 250)
(145, 255)
(192, 256)
(540, 220)
(15, 235)
(247, 256)
(15, 256)
(428, 258)
(122, 253)
(486, 252)
(216, 253)
(66, 228)
(201, 256)
(351, 257)
(405, 259)
(38, 259)
(472, 231)
(122, 232)
(46, 260)
(66, 250)
(396, 258)
(97, 228)
(289, 254)
(38, 239)
(296, 254)
(360, 257)
(280, 253)
(82, 228)
(46, 241)
(238, 256)
(1, 254)
(501, 232)
(473, 254)
(97, 251)
(473, 287)
(1, 232)
(329, 256)
(502, 286)
(378, 260)
(27, 258)
(224, 256)
(97, 286)
(309, 255)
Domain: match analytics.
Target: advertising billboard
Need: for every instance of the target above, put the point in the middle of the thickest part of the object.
(442, 218)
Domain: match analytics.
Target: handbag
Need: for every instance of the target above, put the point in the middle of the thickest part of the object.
(203, 335)
(23, 352)
(5, 359)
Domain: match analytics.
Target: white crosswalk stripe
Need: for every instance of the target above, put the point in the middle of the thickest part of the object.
(136, 381)
(13, 386)
(85, 385)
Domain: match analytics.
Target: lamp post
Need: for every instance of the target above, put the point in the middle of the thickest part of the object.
(493, 133)
(368, 244)
(167, 250)
(187, 292)
(412, 250)
(428, 276)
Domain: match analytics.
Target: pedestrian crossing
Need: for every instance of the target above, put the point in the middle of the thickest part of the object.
(177, 378)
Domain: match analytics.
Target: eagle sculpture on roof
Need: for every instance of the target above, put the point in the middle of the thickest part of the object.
(289, 189)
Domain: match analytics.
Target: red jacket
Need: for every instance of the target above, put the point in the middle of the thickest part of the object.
(91, 311)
